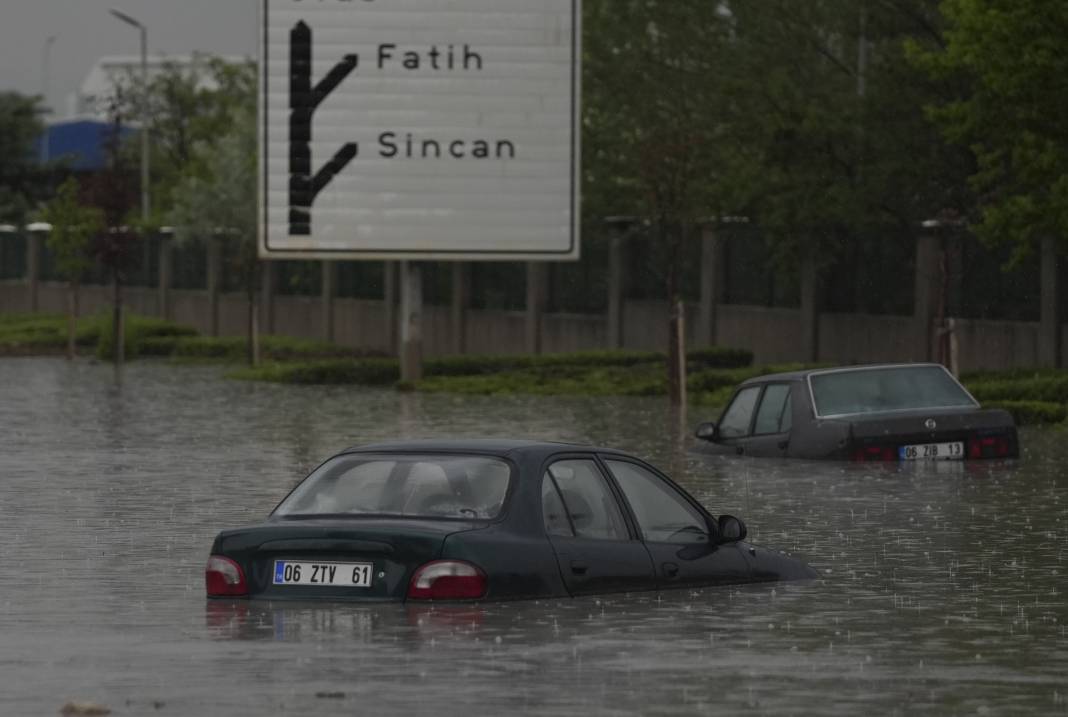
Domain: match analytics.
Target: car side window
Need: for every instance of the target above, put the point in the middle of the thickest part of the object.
(663, 515)
(735, 422)
(552, 509)
(590, 504)
(772, 409)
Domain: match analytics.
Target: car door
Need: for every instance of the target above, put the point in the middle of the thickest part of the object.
(675, 530)
(772, 420)
(597, 549)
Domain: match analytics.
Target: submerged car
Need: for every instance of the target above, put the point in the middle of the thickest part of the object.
(485, 520)
(898, 412)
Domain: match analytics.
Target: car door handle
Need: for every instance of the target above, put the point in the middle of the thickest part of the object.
(578, 567)
(671, 570)
(784, 445)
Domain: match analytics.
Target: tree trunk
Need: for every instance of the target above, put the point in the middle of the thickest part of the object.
(72, 318)
(118, 335)
(677, 354)
(253, 329)
(676, 357)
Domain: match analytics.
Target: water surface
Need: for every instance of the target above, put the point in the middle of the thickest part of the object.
(942, 589)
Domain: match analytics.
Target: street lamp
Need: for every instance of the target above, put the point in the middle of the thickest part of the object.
(46, 141)
(144, 106)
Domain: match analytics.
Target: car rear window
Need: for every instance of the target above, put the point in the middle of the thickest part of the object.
(423, 486)
(898, 388)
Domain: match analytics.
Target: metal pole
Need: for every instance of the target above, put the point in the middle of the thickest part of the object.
(46, 71)
(144, 124)
(144, 106)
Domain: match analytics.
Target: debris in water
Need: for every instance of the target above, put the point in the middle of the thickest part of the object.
(86, 709)
(330, 695)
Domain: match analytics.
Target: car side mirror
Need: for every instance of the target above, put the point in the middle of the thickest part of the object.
(707, 432)
(731, 529)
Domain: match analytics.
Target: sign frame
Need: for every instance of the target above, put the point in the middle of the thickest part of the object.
(571, 253)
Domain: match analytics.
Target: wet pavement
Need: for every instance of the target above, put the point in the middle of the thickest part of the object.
(943, 588)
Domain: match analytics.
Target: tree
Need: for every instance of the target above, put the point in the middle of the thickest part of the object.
(653, 119)
(188, 105)
(22, 182)
(73, 227)
(115, 193)
(222, 204)
(1008, 57)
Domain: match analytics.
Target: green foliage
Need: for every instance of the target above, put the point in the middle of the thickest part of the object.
(32, 333)
(368, 372)
(585, 380)
(47, 333)
(1008, 59)
(21, 181)
(1040, 388)
(475, 365)
(233, 349)
(713, 380)
(1030, 413)
(73, 226)
(188, 105)
(138, 329)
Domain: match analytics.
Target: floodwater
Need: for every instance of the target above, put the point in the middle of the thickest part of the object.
(943, 588)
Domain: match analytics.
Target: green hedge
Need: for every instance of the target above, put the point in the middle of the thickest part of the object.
(1029, 413)
(369, 372)
(641, 380)
(137, 331)
(491, 364)
(1048, 387)
(714, 380)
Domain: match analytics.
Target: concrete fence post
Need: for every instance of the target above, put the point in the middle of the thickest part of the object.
(810, 308)
(328, 290)
(619, 228)
(36, 236)
(1049, 342)
(214, 279)
(925, 292)
(166, 272)
(537, 275)
(389, 300)
(461, 299)
(411, 323)
(268, 281)
(713, 284)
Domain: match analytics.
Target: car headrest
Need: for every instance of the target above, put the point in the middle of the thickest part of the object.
(579, 508)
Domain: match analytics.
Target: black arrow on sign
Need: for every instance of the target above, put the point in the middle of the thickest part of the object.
(303, 101)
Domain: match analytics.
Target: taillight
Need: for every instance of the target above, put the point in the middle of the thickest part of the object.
(224, 578)
(875, 453)
(447, 580)
(989, 447)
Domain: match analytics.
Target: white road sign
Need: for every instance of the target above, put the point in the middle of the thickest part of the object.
(420, 129)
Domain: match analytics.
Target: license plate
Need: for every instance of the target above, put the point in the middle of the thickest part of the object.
(345, 575)
(932, 452)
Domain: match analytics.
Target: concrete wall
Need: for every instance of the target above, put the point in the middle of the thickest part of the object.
(773, 335)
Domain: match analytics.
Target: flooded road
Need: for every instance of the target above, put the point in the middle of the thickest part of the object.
(943, 588)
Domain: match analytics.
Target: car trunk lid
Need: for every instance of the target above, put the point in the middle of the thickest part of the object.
(333, 558)
(979, 433)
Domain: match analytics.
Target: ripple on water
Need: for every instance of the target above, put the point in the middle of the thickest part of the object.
(942, 591)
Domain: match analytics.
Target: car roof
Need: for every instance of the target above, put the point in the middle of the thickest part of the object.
(488, 446)
(804, 374)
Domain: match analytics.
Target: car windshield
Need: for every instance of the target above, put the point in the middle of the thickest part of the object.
(422, 486)
(896, 388)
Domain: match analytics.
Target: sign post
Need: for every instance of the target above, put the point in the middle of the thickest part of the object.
(419, 130)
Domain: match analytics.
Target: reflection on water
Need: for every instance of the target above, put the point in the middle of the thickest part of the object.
(942, 589)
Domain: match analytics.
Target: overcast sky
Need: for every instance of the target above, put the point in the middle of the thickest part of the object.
(86, 32)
